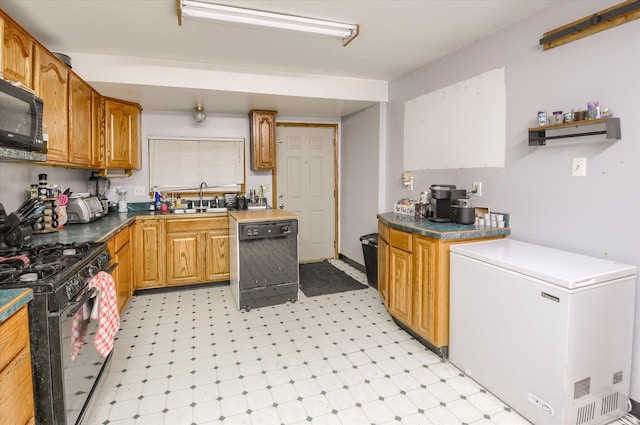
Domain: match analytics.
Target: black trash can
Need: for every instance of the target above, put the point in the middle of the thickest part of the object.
(370, 252)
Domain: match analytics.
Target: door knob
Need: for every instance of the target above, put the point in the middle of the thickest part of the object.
(281, 206)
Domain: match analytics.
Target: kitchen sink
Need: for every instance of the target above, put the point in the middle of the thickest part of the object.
(196, 210)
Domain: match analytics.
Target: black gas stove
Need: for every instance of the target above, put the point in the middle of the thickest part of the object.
(58, 269)
(59, 276)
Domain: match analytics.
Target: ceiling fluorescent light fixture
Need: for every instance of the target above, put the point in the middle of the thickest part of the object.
(203, 10)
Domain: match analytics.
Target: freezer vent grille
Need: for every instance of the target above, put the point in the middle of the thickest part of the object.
(581, 388)
(586, 413)
(609, 403)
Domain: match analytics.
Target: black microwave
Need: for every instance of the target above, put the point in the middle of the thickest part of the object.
(20, 118)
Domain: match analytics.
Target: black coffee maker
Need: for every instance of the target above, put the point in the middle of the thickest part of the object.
(441, 202)
(442, 197)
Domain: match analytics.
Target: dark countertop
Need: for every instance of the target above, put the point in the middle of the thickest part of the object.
(448, 231)
(12, 300)
(106, 227)
(98, 230)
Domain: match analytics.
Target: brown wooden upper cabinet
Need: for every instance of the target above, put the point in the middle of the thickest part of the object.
(121, 133)
(85, 129)
(263, 139)
(81, 142)
(52, 86)
(17, 53)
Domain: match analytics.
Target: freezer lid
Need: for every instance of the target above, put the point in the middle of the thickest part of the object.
(566, 269)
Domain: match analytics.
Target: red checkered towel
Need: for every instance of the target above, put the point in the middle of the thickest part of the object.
(108, 316)
(105, 311)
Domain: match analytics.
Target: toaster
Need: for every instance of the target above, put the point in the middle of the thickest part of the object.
(84, 209)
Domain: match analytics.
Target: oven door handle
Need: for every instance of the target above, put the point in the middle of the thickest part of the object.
(111, 267)
(78, 304)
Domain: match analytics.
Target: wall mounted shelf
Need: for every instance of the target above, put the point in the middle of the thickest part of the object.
(609, 126)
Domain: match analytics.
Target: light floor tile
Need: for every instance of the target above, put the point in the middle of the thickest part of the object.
(189, 357)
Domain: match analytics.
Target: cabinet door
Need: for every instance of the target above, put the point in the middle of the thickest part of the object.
(80, 122)
(263, 135)
(122, 273)
(98, 125)
(121, 134)
(400, 284)
(216, 256)
(124, 287)
(426, 308)
(183, 258)
(383, 270)
(149, 254)
(16, 387)
(17, 54)
(52, 79)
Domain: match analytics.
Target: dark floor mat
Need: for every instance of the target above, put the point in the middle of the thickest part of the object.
(323, 278)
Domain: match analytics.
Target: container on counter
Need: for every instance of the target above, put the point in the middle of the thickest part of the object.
(42, 185)
(542, 118)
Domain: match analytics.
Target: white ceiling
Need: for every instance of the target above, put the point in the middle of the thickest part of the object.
(396, 37)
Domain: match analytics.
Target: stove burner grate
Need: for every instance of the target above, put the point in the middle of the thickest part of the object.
(19, 265)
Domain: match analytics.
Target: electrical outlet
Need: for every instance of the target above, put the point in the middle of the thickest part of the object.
(579, 167)
(138, 190)
(476, 189)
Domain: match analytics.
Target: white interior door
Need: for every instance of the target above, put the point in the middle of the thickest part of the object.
(305, 185)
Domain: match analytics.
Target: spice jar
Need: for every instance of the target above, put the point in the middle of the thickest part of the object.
(42, 185)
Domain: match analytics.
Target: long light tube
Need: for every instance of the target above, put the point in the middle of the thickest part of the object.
(198, 9)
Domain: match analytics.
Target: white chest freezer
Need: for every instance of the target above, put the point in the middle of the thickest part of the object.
(547, 331)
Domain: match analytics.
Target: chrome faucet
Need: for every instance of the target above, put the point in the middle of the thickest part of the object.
(203, 184)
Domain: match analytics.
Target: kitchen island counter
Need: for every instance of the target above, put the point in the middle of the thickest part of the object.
(449, 231)
(243, 216)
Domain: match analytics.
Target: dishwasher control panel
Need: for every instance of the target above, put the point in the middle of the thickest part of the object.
(267, 229)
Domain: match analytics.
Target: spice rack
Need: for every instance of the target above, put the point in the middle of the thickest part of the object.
(608, 126)
(48, 223)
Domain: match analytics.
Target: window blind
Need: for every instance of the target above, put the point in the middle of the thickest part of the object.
(182, 164)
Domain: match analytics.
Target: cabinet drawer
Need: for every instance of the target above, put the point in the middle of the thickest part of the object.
(383, 232)
(121, 239)
(401, 240)
(197, 224)
(16, 390)
(14, 334)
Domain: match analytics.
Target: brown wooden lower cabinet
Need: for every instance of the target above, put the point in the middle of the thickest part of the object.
(413, 281)
(217, 248)
(400, 283)
(181, 251)
(16, 385)
(149, 253)
(120, 251)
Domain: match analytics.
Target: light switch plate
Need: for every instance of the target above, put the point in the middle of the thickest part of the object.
(579, 167)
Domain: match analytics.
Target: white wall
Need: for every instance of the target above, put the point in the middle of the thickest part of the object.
(15, 179)
(594, 215)
(359, 158)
